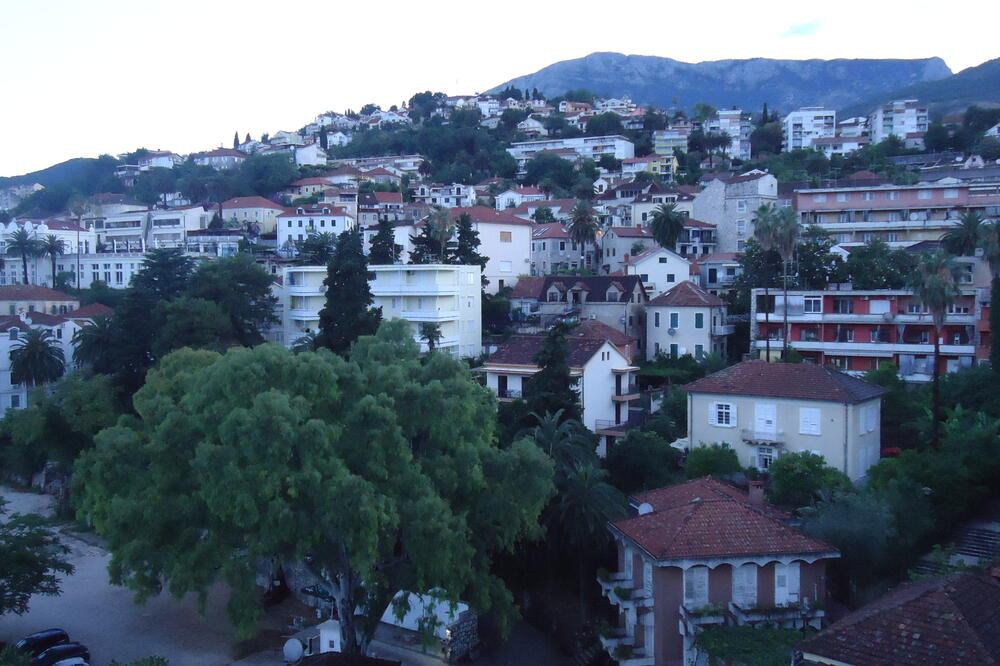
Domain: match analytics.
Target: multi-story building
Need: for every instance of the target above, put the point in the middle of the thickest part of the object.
(686, 320)
(586, 147)
(900, 118)
(256, 213)
(809, 123)
(220, 158)
(139, 231)
(12, 328)
(552, 250)
(717, 272)
(840, 145)
(449, 196)
(764, 410)
(605, 378)
(376, 206)
(666, 141)
(737, 124)
(659, 268)
(446, 294)
(645, 205)
(892, 213)
(664, 165)
(703, 554)
(515, 197)
(856, 330)
(729, 204)
(618, 244)
(297, 223)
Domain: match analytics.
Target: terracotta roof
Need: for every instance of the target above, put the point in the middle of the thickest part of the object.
(551, 230)
(522, 350)
(687, 294)
(222, 152)
(91, 311)
(631, 232)
(691, 222)
(953, 619)
(31, 292)
(706, 518)
(528, 207)
(388, 197)
(596, 285)
(343, 171)
(316, 180)
(44, 319)
(379, 171)
(719, 256)
(802, 381)
(744, 178)
(591, 328)
(63, 226)
(528, 191)
(250, 202)
(484, 215)
(528, 287)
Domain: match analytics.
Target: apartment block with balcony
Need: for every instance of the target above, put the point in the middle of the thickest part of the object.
(703, 554)
(895, 213)
(764, 410)
(297, 224)
(737, 124)
(140, 231)
(901, 118)
(801, 128)
(856, 330)
(586, 147)
(446, 294)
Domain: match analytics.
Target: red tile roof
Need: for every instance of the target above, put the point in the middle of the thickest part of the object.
(551, 230)
(484, 215)
(631, 232)
(596, 286)
(522, 350)
(803, 381)
(222, 152)
(706, 518)
(250, 202)
(598, 330)
(528, 191)
(952, 619)
(691, 222)
(687, 294)
(528, 287)
(31, 292)
(91, 311)
(388, 197)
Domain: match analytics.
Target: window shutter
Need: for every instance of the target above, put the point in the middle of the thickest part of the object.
(793, 582)
(713, 413)
(745, 585)
(733, 417)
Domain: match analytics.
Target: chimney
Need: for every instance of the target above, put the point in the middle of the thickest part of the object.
(757, 492)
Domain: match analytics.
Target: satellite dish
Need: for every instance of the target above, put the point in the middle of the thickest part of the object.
(671, 331)
(645, 508)
(293, 651)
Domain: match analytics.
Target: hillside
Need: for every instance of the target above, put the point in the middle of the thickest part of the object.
(748, 84)
(975, 85)
(79, 172)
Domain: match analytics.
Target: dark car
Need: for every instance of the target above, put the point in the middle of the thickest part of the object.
(57, 653)
(40, 641)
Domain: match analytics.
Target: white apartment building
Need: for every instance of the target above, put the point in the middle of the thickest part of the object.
(449, 196)
(586, 147)
(665, 141)
(902, 118)
(138, 231)
(515, 197)
(12, 328)
(445, 294)
(297, 224)
(737, 124)
(809, 123)
(659, 269)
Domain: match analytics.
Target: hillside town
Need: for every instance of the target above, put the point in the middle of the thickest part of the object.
(509, 376)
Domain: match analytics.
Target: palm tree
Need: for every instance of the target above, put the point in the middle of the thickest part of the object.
(305, 343)
(53, 246)
(93, 344)
(667, 225)
(935, 286)
(23, 244)
(785, 233)
(36, 358)
(965, 238)
(990, 242)
(764, 232)
(430, 332)
(582, 227)
(564, 441)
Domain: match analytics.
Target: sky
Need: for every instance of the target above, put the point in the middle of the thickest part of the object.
(80, 79)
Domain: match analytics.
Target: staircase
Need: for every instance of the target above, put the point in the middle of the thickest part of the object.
(973, 543)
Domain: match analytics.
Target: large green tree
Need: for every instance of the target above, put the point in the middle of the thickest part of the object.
(242, 289)
(164, 274)
(384, 249)
(347, 313)
(667, 225)
(552, 390)
(434, 244)
(467, 246)
(93, 345)
(191, 322)
(31, 559)
(797, 478)
(36, 358)
(379, 474)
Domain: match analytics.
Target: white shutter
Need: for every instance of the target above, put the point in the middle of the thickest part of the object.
(745, 585)
(793, 582)
(713, 413)
(733, 420)
(696, 587)
(809, 419)
(786, 583)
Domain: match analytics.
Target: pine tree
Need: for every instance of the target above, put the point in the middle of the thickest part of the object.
(384, 249)
(467, 250)
(551, 388)
(323, 141)
(433, 245)
(236, 140)
(348, 313)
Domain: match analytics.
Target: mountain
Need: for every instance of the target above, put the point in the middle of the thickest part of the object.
(975, 85)
(77, 171)
(748, 84)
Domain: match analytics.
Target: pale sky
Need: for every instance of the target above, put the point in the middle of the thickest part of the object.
(83, 77)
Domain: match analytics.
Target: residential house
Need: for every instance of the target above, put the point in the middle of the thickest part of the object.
(604, 377)
(764, 410)
(449, 196)
(687, 320)
(220, 158)
(283, 138)
(296, 224)
(702, 554)
(304, 187)
(717, 272)
(801, 128)
(898, 118)
(446, 294)
(159, 159)
(140, 231)
(552, 250)
(737, 124)
(561, 209)
(256, 213)
(383, 176)
(729, 204)
(660, 269)
(950, 619)
(854, 330)
(853, 127)
(311, 154)
(376, 206)
(668, 140)
(645, 205)
(840, 145)
(532, 128)
(618, 244)
(515, 197)
(585, 147)
(74, 237)
(13, 328)
(698, 238)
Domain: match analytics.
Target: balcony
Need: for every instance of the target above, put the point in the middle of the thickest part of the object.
(789, 616)
(625, 393)
(508, 395)
(709, 615)
(608, 427)
(875, 348)
(431, 315)
(726, 329)
(769, 436)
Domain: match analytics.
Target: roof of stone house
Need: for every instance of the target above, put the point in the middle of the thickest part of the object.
(687, 294)
(251, 202)
(802, 381)
(952, 619)
(550, 230)
(631, 232)
(706, 518)
(596, 286)
(522, 350)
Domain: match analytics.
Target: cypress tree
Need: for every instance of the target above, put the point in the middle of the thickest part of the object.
(467, 250)
(433, 245)
(348, 313)
(551, 388)
(384, 249)
(236, 140)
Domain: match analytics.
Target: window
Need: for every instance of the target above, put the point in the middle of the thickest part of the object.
(699, 352)
(765, 456)
(674, 352)
(891, 237)
(696, 587)
(867, 419)
(813, 305)
(671, 277)
(786, 583)
(925, 194)
(741, 206)
(562, 246)
(656, 319)
(745, 585)
(867, 196)
(506, 267)
(12, 308)
(843, 305)
(842, 196)
(951, 193)
(809, 421)
(699, 320)
(819, 198)
(505, 237)
(868, 238)
(722, 414)
(741, 246)
(741, 227)
(675, 319)
(15, 401)
(13, 334)
(892, 196)
(663, 260)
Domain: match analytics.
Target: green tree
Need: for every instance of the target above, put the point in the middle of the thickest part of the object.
(547, 170)
(543, 215)
(582, 228)
(643, 461)
(935, 286)
(53, 246)
(902, 407)
(667, 225)
(816, 264)
(22, 244)
(430, 332)
(36, 358)
(797, 478)
(765, 223)
(605, 124)
(609, 163)
(876, 266)
(231, 460)
(347, 313)
(31, 559)
(165, 273)
(552, 390)
(384, 249)
(93, 345)
(434, 244)
(191, 322)
(717, 460)
(963, 240)
(467, 247)
(317, 249)
(567, 442)
(990, 242)
(241, 288)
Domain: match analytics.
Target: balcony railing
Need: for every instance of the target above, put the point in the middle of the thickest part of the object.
(770, 436)
(789, 616)
(508, 394)
(627, 389)
(709, 615)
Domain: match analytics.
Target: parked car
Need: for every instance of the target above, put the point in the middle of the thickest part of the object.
(62, 652)
(40, 641)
